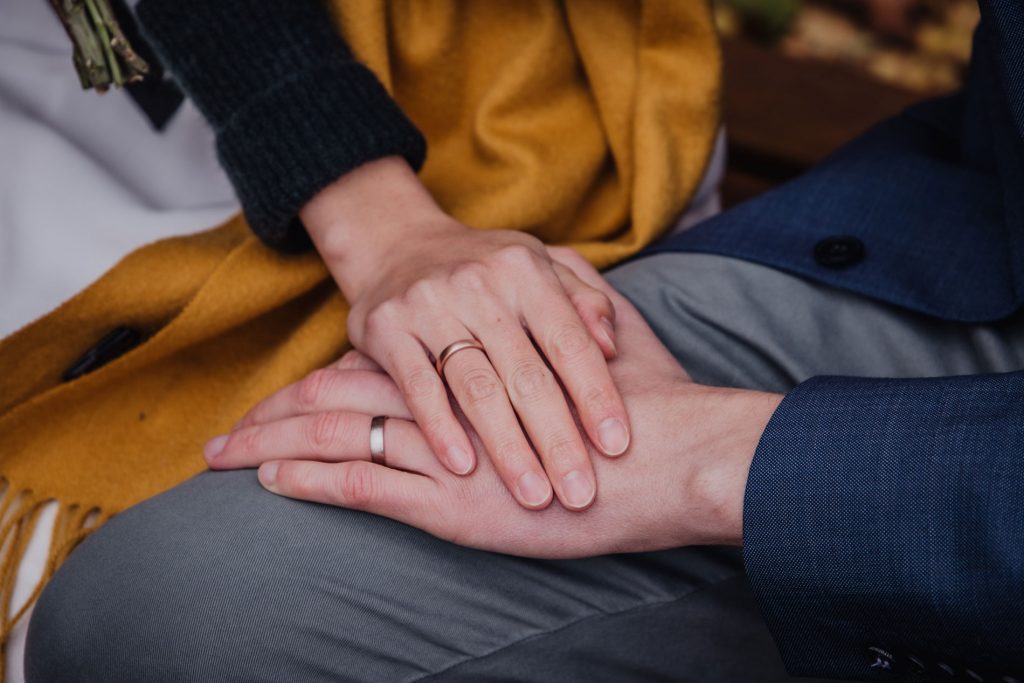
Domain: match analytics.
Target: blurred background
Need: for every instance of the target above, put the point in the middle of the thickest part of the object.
(802, 77)
(805, 76)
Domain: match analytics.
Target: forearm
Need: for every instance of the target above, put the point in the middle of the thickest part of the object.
(293, 110)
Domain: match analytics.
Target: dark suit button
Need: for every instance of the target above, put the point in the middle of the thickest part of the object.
(946, 670)
(972, 676)
(120, 341)
(1009, 679)
(838, 252)
(878, 658)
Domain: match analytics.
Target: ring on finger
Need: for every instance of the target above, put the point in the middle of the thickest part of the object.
(377, 440)
(454, 348)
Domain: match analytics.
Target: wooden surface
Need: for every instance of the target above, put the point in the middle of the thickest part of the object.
(783, 115)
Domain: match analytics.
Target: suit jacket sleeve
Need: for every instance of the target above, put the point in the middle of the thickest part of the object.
(884, 527)
(292, 109)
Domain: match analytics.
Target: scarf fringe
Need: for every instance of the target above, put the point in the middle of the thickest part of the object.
(20, 512)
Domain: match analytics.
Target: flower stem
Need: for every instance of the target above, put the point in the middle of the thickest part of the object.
(102, 54)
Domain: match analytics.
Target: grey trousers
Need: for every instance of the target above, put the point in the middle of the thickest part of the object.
(218, 580)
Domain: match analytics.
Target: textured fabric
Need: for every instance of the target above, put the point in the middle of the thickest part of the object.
(934, 195)
(584, 123)
(60, 141)
(220, 580)
(292, 108)
(588, 124)
(887, 513)
(1005, 19)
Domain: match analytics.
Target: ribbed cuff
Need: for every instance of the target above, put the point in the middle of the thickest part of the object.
(303, 133)
(224, 52)
(292, 109)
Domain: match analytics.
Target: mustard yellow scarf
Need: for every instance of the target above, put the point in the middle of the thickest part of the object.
(584, 122)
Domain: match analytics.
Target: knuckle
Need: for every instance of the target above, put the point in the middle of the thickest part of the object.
(561, 253)
(380, 318)
(510, 452)
(314, 388)
(351, 359)
(597, 400)
(564, 451)
(435, 424)
(357, 484)
(421, 292)
(254, 416)
(570, 341)
(248, 441)
(517, 256)
(470, 275)
(571, 257)
(420, 383)
(480, 385)
(323, 431)
(592, 301)
(531, 380)
(296, 479)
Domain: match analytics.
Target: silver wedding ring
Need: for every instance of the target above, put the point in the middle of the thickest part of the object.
(377, 439)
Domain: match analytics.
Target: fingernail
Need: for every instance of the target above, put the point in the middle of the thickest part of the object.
(578, 489)
(613, 435)
(268, 475)
(608, 329)
(533, 489)
(460, 460)
(214, 446)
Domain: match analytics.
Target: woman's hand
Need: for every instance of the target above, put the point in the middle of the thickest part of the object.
(682, 484)
(419, 281)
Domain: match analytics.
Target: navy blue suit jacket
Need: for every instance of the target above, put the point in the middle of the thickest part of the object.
(884, 518)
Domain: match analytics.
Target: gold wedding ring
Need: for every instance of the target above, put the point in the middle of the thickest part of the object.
(453, 349)
(377, 439)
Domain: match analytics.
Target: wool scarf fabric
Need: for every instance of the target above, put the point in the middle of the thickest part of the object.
(587, 123)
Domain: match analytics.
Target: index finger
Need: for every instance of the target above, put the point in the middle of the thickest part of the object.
(330, 389)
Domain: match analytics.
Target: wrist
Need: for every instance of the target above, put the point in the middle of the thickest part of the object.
(734, 421)
(358, 221)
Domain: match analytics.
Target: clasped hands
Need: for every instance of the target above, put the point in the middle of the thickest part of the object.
(680, 483)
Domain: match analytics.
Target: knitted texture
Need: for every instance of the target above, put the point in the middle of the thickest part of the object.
(292, 108)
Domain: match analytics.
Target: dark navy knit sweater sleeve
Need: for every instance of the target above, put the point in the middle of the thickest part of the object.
(884, 527)
(291, 107)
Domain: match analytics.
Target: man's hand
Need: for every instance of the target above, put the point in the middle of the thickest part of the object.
(681, 484)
